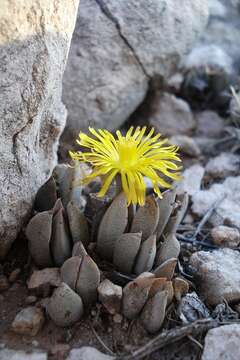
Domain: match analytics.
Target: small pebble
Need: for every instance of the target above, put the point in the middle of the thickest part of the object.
(28, 321)
(14, 275)
(30, 299)
(93, 313)
(4, 284)
(35, 343)
(117, 318)
(110, 295)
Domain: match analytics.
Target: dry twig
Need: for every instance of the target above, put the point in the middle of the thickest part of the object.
(101, 341)
(170, 336)
(207, 216)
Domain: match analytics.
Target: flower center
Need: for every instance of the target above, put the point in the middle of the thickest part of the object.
(127, 151)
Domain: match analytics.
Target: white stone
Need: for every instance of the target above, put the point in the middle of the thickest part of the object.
(226, 197)
(34, 40)
(110, 296)
(118, 46)
(223, 165)
(28, 321)
(217, 275)
(222, 343)
(8, 354)
(42, 281)
(191, 182)
(88, 353)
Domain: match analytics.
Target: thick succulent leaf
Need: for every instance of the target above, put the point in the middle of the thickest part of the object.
(146, 256)
(46, 196)
(88, 281)
(166, 205)
(162, 284)
(79, 249)
(153, 313)
(58, 205)
(158, 284)
(77, 223)
(169, 249)
(146, 218)
(166, 269)
(112, 226)
(135, 295)
(70, 271)
(179, 213)
(61, 239)
(38, 232)
(65, 306)
(180, 287)
(67, 179)
(125, 251)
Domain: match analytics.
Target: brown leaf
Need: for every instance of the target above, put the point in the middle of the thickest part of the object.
(166, 269)
(180, 287)
(153, 313)
(135, 295)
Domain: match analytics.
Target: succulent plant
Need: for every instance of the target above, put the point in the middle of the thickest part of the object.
(138, 241)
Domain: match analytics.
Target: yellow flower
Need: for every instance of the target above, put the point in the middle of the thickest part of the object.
(131, 157)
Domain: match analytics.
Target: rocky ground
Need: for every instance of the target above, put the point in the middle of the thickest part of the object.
(209, 260)
(196, 110)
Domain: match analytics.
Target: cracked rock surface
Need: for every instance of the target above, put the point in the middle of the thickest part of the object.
(117, 48)
(34, 43)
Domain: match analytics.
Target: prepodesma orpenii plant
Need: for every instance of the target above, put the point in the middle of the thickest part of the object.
(136, 233)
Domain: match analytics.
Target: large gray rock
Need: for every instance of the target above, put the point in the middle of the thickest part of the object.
(34, 44)
(222, 343)
(217, 275)
(118, 46)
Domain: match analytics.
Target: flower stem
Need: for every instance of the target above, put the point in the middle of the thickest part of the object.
(118, 185)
